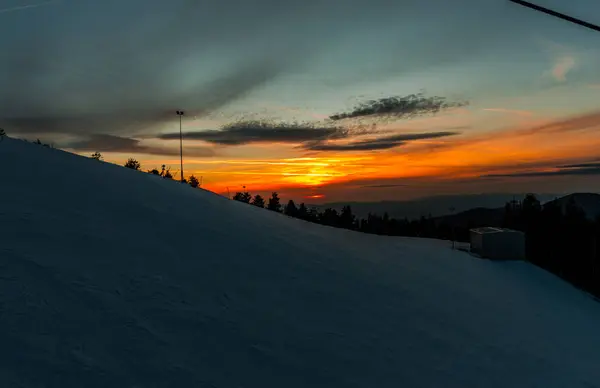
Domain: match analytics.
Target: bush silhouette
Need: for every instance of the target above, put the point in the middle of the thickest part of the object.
(193, 181)
(97, 156)
(133, 164)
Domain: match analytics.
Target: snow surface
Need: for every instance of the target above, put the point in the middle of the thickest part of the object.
(115, 278)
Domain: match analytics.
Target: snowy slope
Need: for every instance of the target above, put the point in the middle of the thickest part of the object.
(116, 278)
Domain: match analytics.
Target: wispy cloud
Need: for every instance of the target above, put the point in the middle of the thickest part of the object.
(26, 6)
(251, 132)
(308, 136)
(399, 107)
(562, 66)
(118, 144)
(381, 143)
(563, 58)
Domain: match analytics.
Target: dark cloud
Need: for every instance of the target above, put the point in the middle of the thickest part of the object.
(399, 107)
(582, 165)
(311, 137)
(263, 132)
(355, 146)
(567, 170)
(382, 186)
(111, 143)
(382, 143)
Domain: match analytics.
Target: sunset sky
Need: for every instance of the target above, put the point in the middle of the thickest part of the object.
(260, 81)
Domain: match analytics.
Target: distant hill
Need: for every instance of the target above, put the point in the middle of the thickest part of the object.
(588, 202)
(436, 206)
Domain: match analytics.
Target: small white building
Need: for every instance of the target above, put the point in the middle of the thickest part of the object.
(498, 243)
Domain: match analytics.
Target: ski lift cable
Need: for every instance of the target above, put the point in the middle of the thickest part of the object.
(556, 14)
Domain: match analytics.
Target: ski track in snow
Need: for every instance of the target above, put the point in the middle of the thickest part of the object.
(112, 277)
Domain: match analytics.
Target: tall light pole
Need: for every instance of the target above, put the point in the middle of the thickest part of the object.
(557, 14)
(180, 114)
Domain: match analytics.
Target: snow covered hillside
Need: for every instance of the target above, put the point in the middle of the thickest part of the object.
(115, 278)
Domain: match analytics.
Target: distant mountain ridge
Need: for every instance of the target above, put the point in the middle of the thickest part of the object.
(436, 206)
(588, 202)
(477, 217)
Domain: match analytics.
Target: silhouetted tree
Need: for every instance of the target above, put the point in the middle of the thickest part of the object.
(347, 219)
(313, 214)
(329, 217)
(154, 172)
(97, 156)
(242, 197)
(274, 203)
(133, 164)
(291, 209)
(302, 212)
(194, 182)
(2, 133)
(258, 201)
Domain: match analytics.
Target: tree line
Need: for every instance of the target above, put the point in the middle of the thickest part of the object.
(560, 237)
(345, 218)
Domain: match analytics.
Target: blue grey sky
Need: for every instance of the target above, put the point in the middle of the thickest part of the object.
(73, 68)
(143, 58)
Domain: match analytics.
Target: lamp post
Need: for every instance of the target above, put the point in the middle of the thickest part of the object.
(557, 14)
(180, 114)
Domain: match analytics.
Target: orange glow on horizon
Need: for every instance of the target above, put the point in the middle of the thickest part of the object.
(535, 141)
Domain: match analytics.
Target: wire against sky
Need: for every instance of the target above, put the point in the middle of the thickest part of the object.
(557, 14)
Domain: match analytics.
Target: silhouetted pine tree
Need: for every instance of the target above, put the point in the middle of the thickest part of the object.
(347, 219)
(274, 203)
(258, 201)
(96, 155)
(291, 209)
(242, 197)
(329, 217)
(302, 212)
